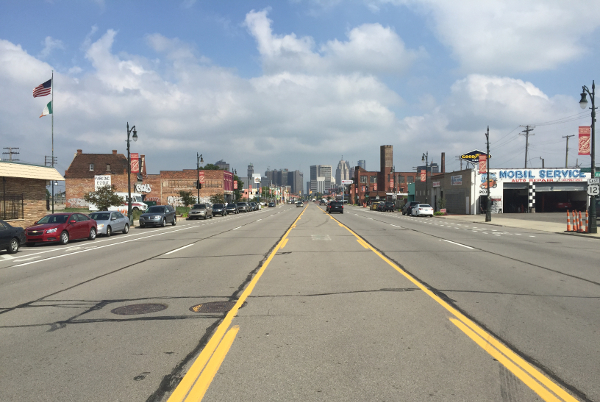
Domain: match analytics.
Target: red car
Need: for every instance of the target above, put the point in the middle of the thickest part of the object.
(61, 228)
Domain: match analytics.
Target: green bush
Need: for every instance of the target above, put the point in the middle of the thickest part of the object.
(438, 213)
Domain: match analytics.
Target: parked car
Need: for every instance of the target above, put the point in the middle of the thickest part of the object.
(158, 215)
(271, 204)
(422, 210)
(232, 208)
(243, 207)
(336, 206)
(201, 211)
(219, 209)
(381, 206)
(11, 237)
(109, 222)
(407, 209)
(253, 206)
(374, 206)
(61, 228)
(389, 206)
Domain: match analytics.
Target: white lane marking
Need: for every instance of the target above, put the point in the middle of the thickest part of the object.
(178, 249)
(259, 220)
(6, 257)
(237, 228)
(99, 247)
(458, 244)
(531, 236)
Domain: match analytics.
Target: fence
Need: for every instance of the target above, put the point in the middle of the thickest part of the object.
(11, 207)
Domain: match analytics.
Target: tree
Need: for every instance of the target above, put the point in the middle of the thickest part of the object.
(104, 198)
(217, 199)
(210, 166)
(187, 198)
(237, 193)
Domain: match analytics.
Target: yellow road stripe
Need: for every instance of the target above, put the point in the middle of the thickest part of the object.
(283, 243)
(516, 370)
(362, 243)
(201, 386)
(187, 382)
(476, 328)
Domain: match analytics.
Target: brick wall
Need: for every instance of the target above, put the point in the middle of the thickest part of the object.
(76, 188)
(34, 199)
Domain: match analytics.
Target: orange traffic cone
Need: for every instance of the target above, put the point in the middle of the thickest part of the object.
(575, 228)
(587, 222)
(569, 226)
(579, 223)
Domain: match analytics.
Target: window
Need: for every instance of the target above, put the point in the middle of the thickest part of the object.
(363, 179)
(91, 167)
(410, 179)
(373, 179)
(401, 179)
(107, 167)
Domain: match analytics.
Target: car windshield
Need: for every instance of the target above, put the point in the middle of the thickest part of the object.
(218, 206)
(241, 204)
(199, 206)
(156, 209)
(100, 216)
(424, 206)
(53, 219)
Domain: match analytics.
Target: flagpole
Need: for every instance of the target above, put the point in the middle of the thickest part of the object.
(52, 103)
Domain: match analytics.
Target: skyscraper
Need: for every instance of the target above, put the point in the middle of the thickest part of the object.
(363, 164)
(342, 172)
(320, 178)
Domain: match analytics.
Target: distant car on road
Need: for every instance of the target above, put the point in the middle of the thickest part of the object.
(219, 209)
(232, 208)
(200, 211)
(336, 206)
(422, 210)
(11, 238)
(243, 207)
(109, 222)
(61, 228)
(158, 215)
(271, 204)
(299, 204)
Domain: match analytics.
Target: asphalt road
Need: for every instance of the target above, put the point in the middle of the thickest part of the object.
(357, 306)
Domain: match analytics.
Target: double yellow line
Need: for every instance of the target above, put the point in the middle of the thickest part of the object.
(196, 381)
(532, 377)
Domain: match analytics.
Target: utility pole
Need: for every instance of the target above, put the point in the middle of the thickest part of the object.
(526, 131)
(488, 209)
(567, 151)
(10, 153)
(48, 161)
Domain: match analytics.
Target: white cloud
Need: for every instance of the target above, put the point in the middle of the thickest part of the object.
(370, 49)
(49, 45)
(506, 36)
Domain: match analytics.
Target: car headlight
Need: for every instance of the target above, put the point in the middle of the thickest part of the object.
(101, 226)
(52, 230)
(156, 217)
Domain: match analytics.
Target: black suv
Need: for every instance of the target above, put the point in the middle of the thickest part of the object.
(389, 206)
(336, 206)
(219, 209)
(158, 215)
(408, 207)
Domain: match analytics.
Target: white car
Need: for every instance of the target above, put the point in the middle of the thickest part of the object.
(422, 210)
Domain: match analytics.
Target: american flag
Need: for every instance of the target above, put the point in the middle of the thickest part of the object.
(43, 89)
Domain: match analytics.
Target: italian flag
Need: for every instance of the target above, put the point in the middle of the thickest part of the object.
(47, 109)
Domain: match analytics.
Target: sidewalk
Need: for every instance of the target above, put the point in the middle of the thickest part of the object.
(498, 220)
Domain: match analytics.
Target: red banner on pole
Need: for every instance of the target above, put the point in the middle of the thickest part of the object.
(482, 163)
(135, 163)
(375, 187)
(235, 184)
(584, 140)
(423, 175)
(201, 176)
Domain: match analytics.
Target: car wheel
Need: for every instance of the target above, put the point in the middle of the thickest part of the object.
(13, 247)
(163, 223)
(126, 229)
(64, 237)
(92, 234)
(142, 225)
(108, 231)
(174, 221)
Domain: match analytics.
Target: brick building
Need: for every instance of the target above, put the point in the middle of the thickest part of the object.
(80, 177)
(23, 192)
(165, 187)
(376, 186)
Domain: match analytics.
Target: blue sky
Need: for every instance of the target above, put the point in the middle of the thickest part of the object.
(288, 84)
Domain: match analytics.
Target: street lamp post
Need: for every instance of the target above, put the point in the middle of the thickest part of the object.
(134, 138)
(583, 103)
(199, 160)
(425, 158)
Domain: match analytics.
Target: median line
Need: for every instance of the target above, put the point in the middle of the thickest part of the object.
(542, 385)
(196, 381)
(178, 249)
(458, 244)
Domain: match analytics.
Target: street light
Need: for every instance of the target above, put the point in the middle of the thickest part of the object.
(425, 158)
(199, 160)
(583, 103)
(134, 138)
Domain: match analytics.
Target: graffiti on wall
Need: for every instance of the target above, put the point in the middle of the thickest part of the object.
(77, 202)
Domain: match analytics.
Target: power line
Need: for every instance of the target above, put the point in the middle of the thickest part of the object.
(10, 153)
(526, 131)
(567, 151)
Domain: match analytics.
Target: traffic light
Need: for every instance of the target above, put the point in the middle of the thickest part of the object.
(198, 184)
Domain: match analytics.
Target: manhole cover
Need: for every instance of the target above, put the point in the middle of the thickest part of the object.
(213, 307)
(135, 309)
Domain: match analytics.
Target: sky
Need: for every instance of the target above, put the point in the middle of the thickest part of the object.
(293, 83)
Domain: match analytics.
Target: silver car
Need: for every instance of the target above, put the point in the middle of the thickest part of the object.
(110, 222)
(200, 211)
